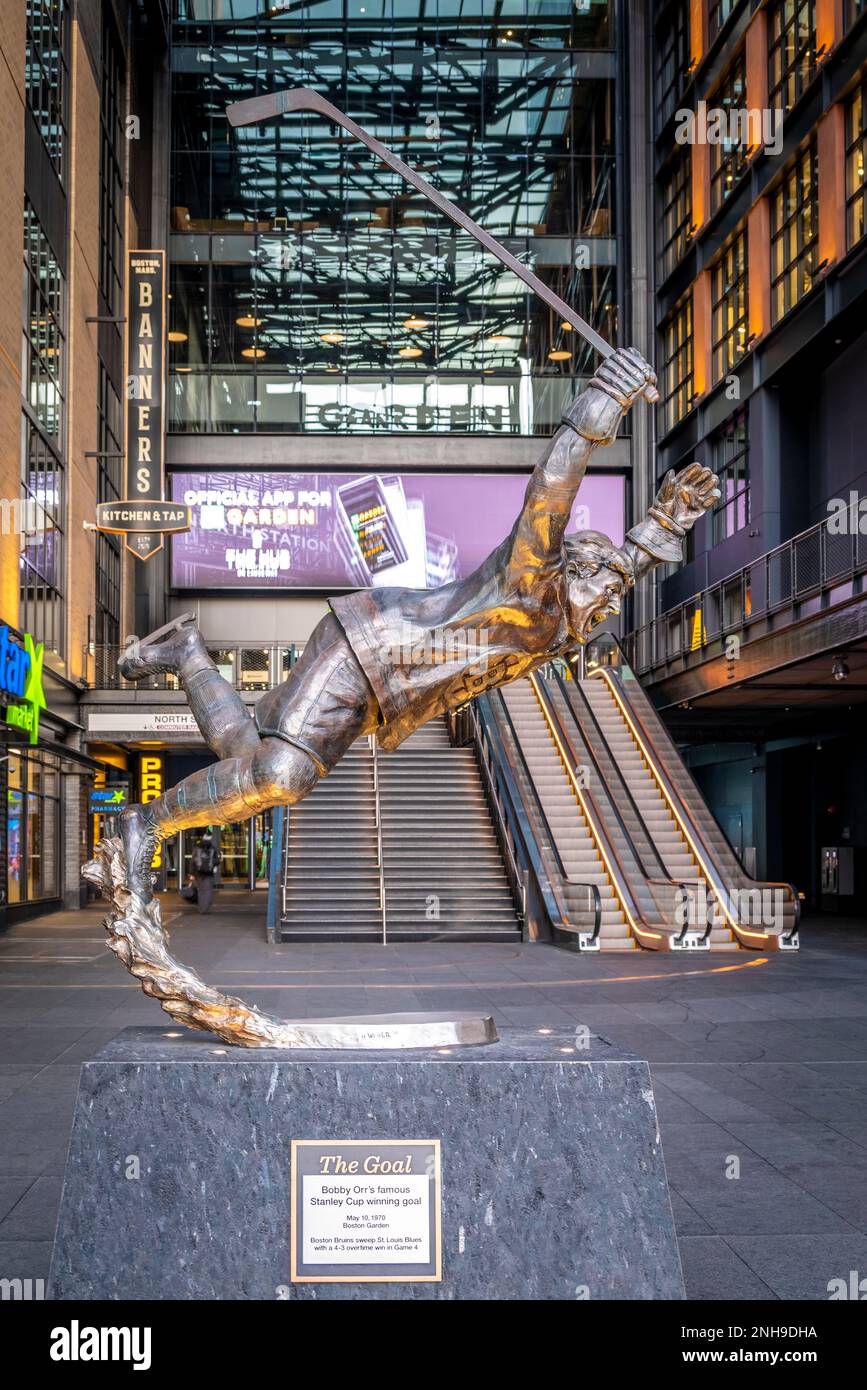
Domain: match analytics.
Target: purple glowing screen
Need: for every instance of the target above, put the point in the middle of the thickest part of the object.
(339, 530)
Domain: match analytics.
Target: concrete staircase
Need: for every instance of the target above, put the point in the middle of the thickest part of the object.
(444, 874)
(331, 883)
(571, 834)
(442, 867)
(661, 825)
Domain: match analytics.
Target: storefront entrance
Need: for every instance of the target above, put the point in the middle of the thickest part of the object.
(243, 853)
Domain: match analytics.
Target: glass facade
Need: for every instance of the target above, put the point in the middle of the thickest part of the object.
(47, 75)
(728, 159)
(33, 827)
(43, 482)
(856, 141)
(730, 306)
(794, 234)
(730, 459)
(676, 377)
(791, 51)
(109, 464)
(312, 289)
(676, 204)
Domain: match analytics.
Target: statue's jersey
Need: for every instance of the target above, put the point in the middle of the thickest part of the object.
(427, 651)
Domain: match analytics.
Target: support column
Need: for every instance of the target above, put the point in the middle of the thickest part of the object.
(702, 333)
(642, 310)
(759, 262)
(831, 156)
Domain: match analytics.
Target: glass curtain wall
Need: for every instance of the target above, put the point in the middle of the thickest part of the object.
(313, 290)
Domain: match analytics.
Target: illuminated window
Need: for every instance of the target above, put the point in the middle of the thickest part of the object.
(794, 234)
(730, 457)
(718, 14)
(43, 480)
(318, 292)
(676, 212)
(46, 73)
(728, 159)
(730, 306)
(673, 60)
(856, 149)
(678, 387)
(791, 52)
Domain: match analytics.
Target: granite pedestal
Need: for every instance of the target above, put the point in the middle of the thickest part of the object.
(179, 1172)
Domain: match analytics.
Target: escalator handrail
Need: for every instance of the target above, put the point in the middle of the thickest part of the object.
(683, 814)
(486, 731)
(610, 856)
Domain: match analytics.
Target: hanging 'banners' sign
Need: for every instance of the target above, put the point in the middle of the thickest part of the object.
(143, 517)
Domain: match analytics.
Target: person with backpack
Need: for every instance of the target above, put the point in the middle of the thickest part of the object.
(206, 857)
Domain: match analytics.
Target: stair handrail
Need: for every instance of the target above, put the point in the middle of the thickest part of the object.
(685, 819)
(610, 857)
(513, 819)
(377, 812)
(662, 879)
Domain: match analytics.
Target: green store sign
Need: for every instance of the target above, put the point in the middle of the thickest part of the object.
(21, 681)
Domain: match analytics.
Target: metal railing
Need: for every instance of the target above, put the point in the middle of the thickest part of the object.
(807, 566)
(475, 724)
(247, 666)
(377, 811)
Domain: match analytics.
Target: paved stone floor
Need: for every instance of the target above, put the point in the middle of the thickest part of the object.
(759, 1063)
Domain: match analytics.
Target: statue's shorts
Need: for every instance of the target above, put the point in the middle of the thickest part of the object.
(326, 703)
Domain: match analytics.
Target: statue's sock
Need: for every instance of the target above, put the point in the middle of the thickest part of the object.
(219, 711)
(213, 796)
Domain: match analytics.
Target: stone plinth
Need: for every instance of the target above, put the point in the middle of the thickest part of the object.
(178, 1182)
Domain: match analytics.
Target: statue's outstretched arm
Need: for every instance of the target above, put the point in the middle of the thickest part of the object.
(592, 419)
(681, 500)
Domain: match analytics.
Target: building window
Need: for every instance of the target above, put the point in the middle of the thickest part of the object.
(728, 159)
(677, 366)
(730, 306)
(794, 234)
(46, 74)
(791, 51)
(43, 482)
(111, 149)
(730, 455)
(674, 61)
(108, 547)
(43, 328)
(317, 299)
(33, 827)
(856, 147)
(676, 213)
(718, 14)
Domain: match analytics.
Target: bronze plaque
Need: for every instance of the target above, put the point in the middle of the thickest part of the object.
(366, 1211)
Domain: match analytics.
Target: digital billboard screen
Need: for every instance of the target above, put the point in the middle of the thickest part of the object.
(355, 530)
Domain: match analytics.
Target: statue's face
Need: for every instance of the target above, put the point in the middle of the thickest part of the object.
(594, 594)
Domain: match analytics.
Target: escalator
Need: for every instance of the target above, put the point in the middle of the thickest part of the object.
(613, 709)
(597, 827)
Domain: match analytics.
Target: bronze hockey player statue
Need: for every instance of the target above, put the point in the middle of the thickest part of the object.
(537, 596)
